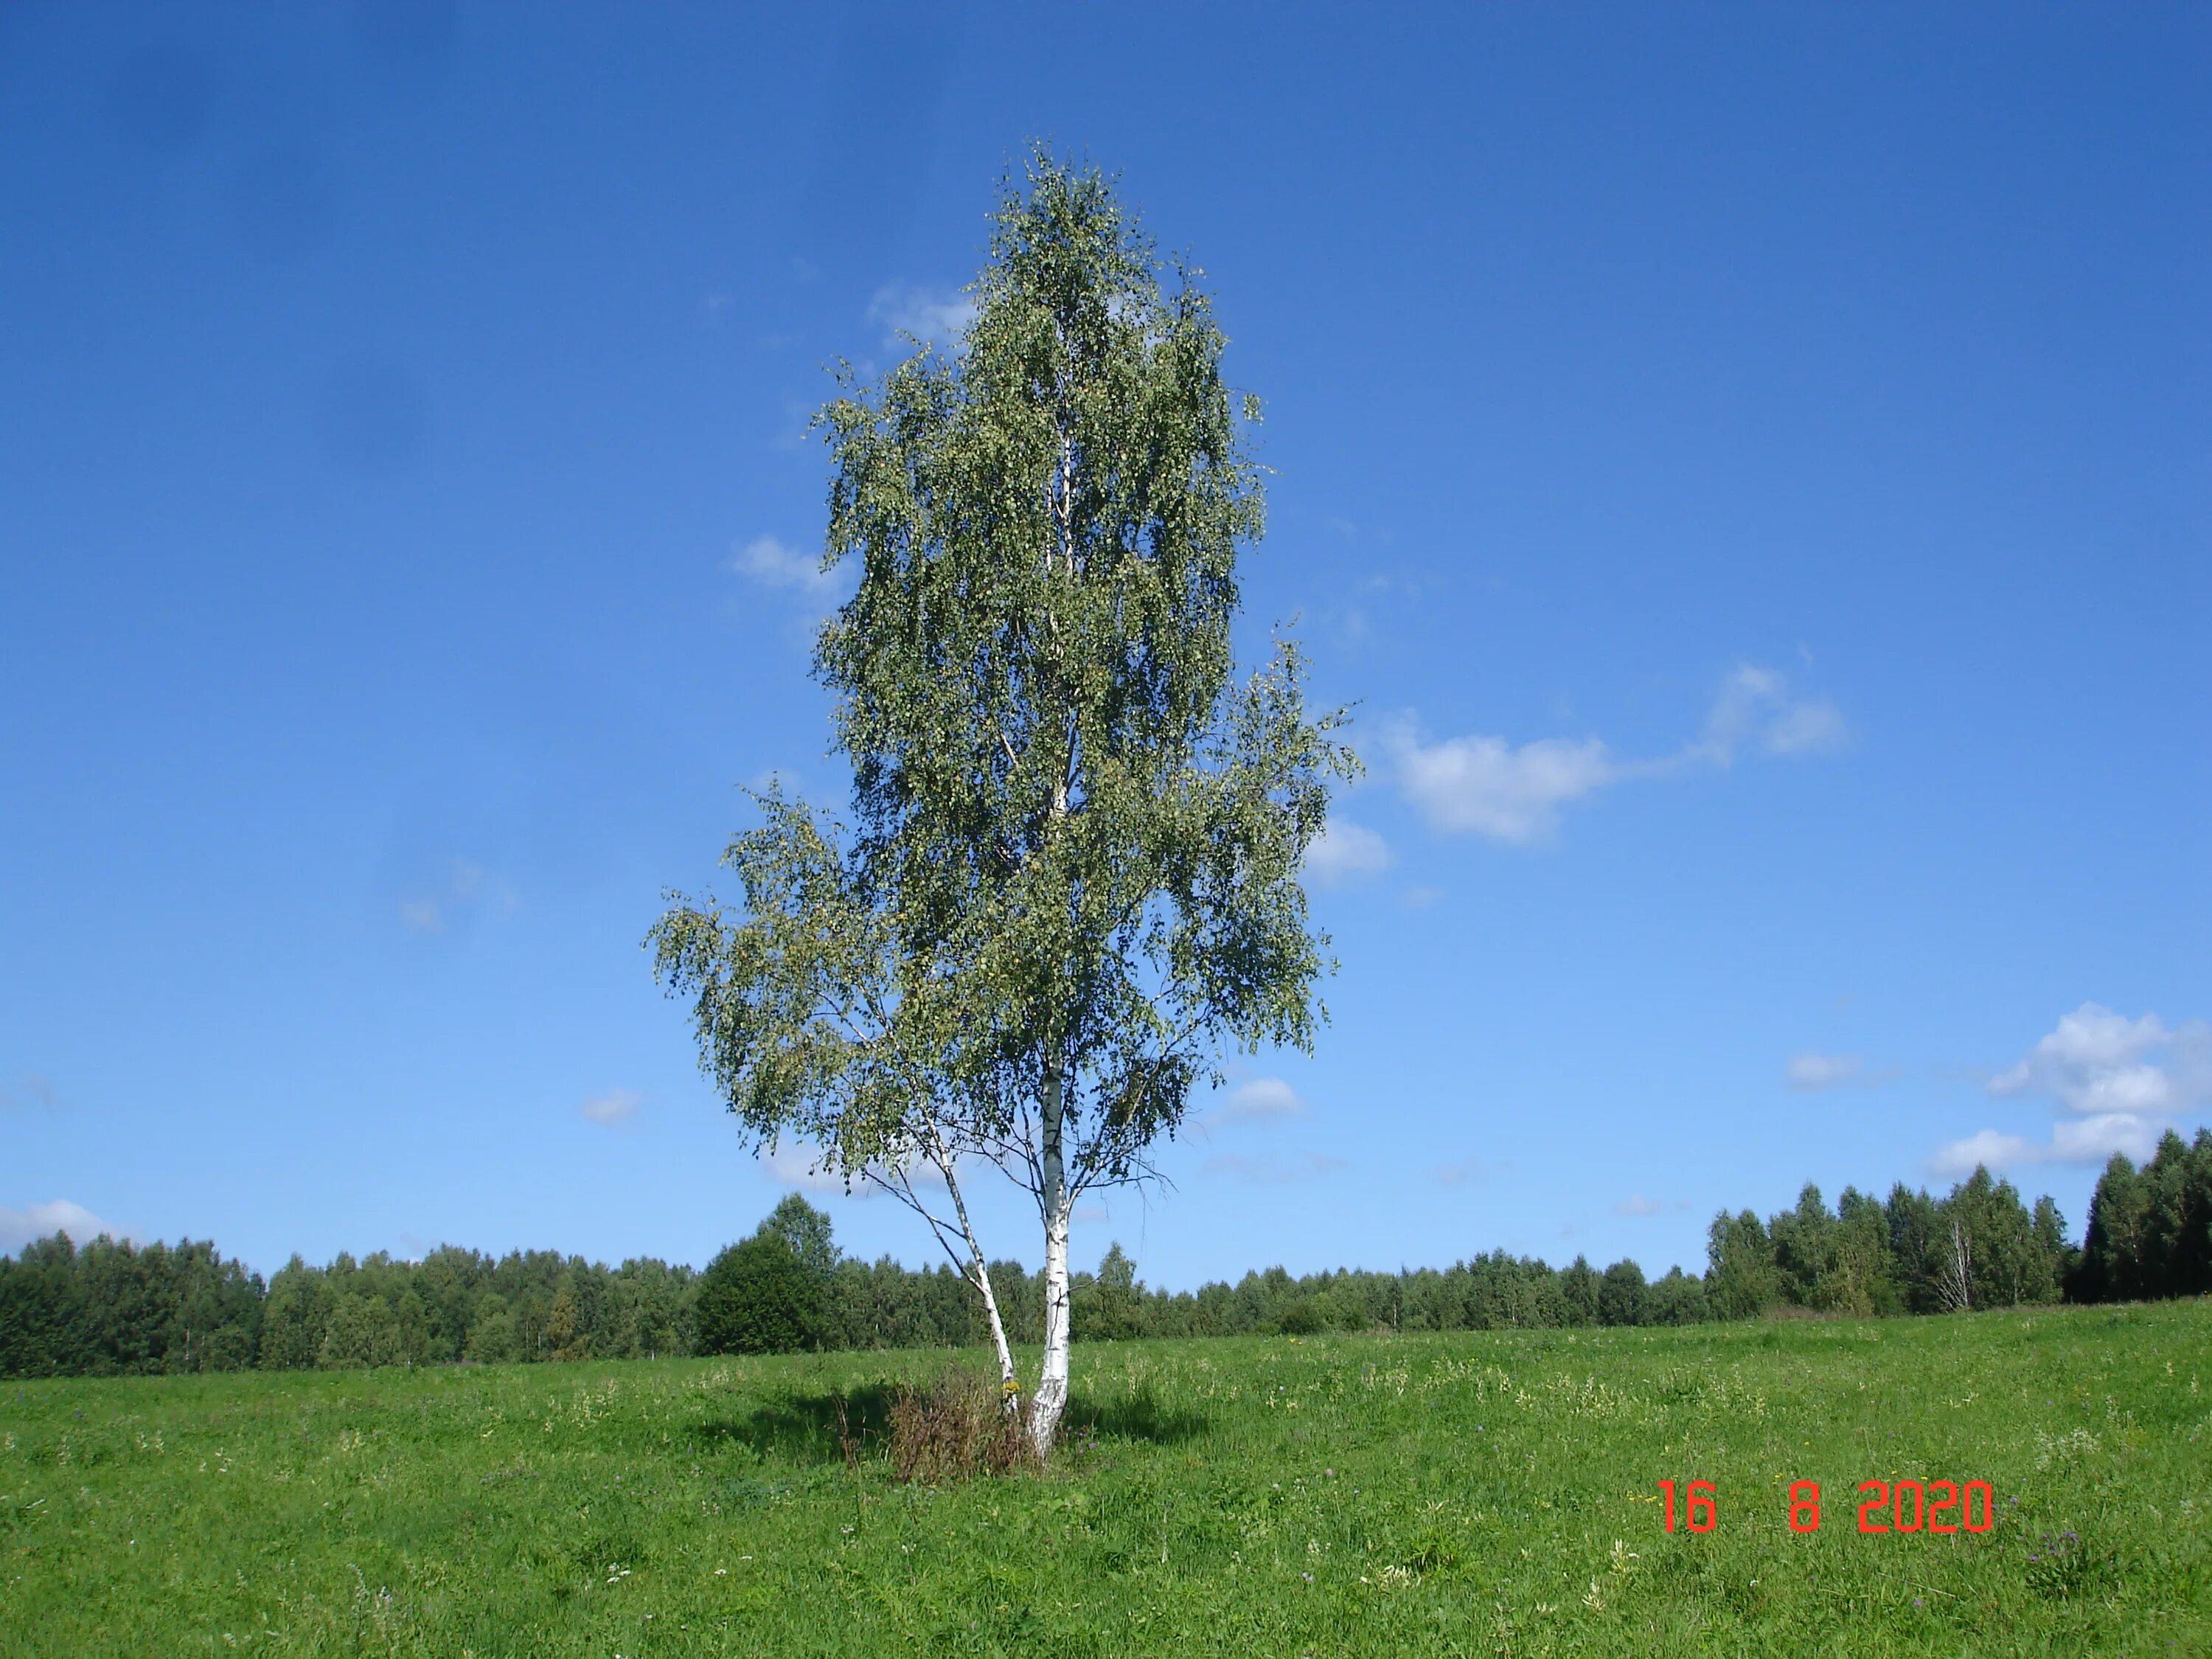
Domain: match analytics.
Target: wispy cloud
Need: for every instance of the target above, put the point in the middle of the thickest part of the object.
(934, 316)
(798, 1166)
(1269, 1170)
(1263, 1100)
(1635, 1204)
(1468, 1172)
(1754, 709)
(21, 1227)
(1515, 792)
(2125, 1082)
(775, 563)
(615, 1106)
(28, 1089)
(463, 888)
(1813, 1073)
(1345, 850)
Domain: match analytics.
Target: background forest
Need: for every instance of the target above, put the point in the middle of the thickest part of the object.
(111, 1307)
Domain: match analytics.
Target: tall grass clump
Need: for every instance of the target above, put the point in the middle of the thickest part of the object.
(960, 1425)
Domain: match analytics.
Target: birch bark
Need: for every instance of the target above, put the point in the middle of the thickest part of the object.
(1051, 1399)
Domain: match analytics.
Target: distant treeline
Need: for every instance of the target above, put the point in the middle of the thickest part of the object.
(109, 1308)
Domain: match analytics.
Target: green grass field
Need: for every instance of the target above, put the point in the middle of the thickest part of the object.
(1471, 1494)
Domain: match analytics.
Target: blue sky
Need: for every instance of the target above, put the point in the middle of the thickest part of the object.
(1749, 467)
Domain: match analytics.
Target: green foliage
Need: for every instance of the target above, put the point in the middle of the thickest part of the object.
(1623, 1297)
(112, 1308)
(758, 1296)
(806, 1230)
(1416, 1494)
(1741, 1279)
(2150, 1230)
(1977, 1246)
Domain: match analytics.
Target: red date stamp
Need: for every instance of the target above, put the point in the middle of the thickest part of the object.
(1935, 1506)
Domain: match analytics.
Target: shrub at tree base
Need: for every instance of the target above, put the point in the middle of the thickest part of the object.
(958, 1426)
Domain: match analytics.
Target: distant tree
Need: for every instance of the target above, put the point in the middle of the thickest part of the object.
(2115, 1262)
(1623, 1297)
(566, 1338)
(1919, 1242)
(1578, 1288)
(1740, 1279)
(492, 1339)
(1804, 1243)
(292, 1322)
(2010, 1265)
(1858, 1278)
(362, 1332)
(43, 1327)
(1679, 1298)
(757, 1297)
(807, 1229)
(2178, 1221)
(1110, 1308)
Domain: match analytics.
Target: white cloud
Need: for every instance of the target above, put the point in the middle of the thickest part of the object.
(1263, 1100)
(2091, 1141)
(2126, 1081)
(1999, 1152)
(422, 915)
(2097, 1061)
(1487, 785)
(1344, 850)
(934, 316)
(1420, 898)
(1636, 1205)
(2094, 1140)
(21, 1227)
(615, 1106)
(776, 564)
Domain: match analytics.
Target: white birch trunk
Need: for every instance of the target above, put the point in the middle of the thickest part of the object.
(1052, 1386)
(1009, 1384)
(979, 1274)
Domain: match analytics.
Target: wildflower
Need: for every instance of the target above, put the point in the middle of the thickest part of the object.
(1307, 1576)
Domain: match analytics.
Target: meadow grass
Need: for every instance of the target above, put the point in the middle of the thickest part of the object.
(1470, 1493)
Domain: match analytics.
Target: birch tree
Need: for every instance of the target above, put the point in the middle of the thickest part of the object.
(1072, 884)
